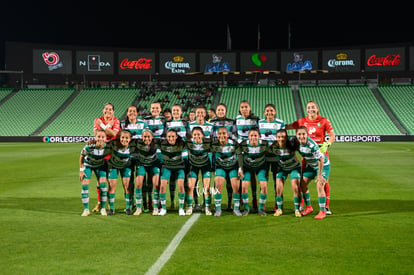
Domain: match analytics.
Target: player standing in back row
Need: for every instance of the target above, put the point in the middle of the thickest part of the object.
(317, 127)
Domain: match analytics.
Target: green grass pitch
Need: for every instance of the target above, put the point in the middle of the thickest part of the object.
(371, 230)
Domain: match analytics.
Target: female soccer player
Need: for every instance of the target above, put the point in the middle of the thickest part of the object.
(253, 152)
(149, 163)
(181, 128)
(156, 123)
(120, 162)
(201, 114)
(317, 127)
(174, 159)
(244, 122)
(92, 160)
(133, 124)
(268, 128)
(226, 157)
(111, 125)
(284, 149)
(199, 156)
(136, 127)
(317, 166)
(222, 121)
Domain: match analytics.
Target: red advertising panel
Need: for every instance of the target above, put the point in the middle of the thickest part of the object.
(258, 61)
(385, 59)
(136, 63)
(177, 63)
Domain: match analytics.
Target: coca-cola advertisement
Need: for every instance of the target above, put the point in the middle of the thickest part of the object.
(136, 63)
(386, 59)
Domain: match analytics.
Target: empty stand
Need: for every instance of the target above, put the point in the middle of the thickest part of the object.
(24, 112)
(77, 119)
(400, 98)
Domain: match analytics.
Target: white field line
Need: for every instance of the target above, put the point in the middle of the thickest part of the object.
(169, 251)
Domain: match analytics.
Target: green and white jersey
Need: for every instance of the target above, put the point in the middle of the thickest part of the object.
(199, 155)
(120, 156)
(268, 129)
(285, 159)
(207, 128)
(228, 123)
(311, 153)
(93, 156)
(243, 126)
(173, 156)
(254, 156)
(226, 156)
(147, 155)
(135, 129)
(156, 125)
(179, 125)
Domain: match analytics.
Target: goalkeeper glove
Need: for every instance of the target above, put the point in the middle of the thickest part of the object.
(324, 146)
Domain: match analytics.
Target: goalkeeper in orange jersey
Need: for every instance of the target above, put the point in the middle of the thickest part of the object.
(318, 127)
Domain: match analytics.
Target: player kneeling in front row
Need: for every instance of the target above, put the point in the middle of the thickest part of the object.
(317, 165)
(92, 159)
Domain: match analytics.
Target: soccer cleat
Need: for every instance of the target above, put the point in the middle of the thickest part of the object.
(85, 213)
(103, 212)
(138, 211)
(262, 212)
(217, 213)
(278, 213)
(298, 214)
(162, 212)
(328, 211)
(97, 207)
(321, 215)
(181, 212)
(307, 210)
(197, 208)
(208, 212)
(246, 212)
(155, 212)
(237, 212)
(128, 211)
(189, 211)
(111, 212)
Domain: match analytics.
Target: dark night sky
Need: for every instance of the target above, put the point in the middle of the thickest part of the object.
(120, 24)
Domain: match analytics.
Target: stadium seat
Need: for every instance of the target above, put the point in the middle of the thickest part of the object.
(26, 111)
(400, 98)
